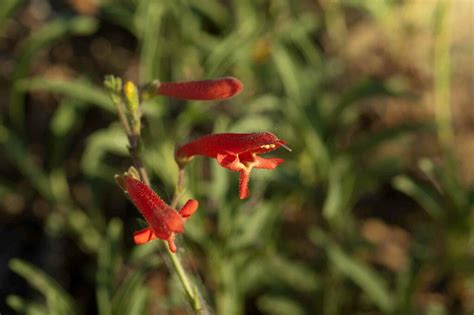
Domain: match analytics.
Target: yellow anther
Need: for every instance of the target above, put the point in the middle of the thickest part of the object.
(267, 146)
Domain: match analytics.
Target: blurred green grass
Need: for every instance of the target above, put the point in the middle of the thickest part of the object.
(372, 212)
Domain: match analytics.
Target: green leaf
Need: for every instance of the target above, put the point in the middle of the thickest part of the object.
(145, 255)
(54, 30)
(456, 193)
(308, 134)
(7, 9)
(214, 10)
(84, 228)
(64, 119)
(357, 271)
(268, 269)
(229, 49)
(425, 196)
(219, 185)
(119, 13)
(67, 118)
(362, 90)
(279, 305)
(78, 89)
(252, 123)
(148, 19)
(41, 38)
(21, 158)
(160, 159)
(342, 181)
(363, 144)
(24, 307)
(107, 266)
(131, 296)
(138, 301)
(300, 31)
(288, 72)
(253, 225)
(58, 300)
(110, 140)
(260, 104)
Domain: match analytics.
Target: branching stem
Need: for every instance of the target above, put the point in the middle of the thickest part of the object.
(134, 140)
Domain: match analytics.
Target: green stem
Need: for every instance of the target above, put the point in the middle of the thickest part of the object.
(190, 289)
(179, 189)
(133, 135)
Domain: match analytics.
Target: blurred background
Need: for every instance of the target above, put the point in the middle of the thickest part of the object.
(372, 212)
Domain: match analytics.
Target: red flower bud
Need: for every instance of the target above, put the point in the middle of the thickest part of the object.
(164, 221)
(218, 89)
(237, 152)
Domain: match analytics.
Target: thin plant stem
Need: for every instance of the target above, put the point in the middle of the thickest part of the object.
(179, 188)
(133, 135)
(123, 119)
(190, 290)
(134, 149)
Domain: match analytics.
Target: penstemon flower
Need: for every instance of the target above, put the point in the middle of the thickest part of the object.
(164, 221)
(218, 89)
(237, 152)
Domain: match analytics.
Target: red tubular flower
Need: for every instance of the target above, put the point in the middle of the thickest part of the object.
(237, 152)
(218, 89)
(164, 221)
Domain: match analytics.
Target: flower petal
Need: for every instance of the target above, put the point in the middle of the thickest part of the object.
(230, 143)
(171, 243)
(267, 163)
(229, 161)
(189, 208)
(244, 184)
(143, 236)
(175, 223)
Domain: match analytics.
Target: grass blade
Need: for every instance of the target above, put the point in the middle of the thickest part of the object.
(357, 271)
(58, 301)
(40, 39)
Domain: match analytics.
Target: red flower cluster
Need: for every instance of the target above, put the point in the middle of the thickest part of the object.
(238, 152)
